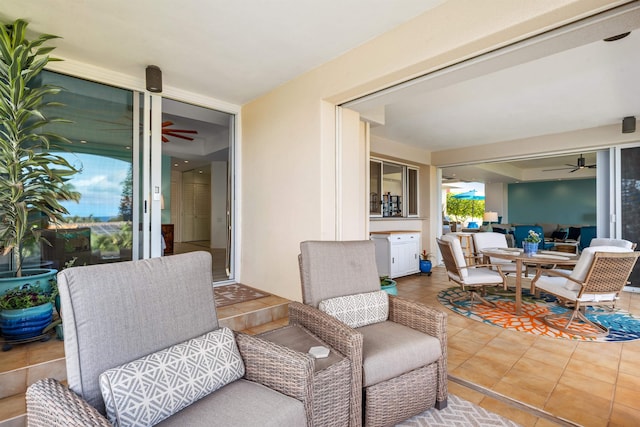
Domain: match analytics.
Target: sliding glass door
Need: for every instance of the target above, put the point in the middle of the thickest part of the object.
(630, 201)
(156, 178)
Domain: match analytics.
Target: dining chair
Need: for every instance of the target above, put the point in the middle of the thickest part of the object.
(494, 240)
(601, 241)
(474, 279)
(597, 279)
(398, 347)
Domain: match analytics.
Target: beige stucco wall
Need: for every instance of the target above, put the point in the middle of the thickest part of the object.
(288, 154)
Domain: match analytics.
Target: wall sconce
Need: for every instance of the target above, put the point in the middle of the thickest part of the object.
(490, 217)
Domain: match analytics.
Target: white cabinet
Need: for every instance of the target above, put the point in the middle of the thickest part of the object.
(397, 252)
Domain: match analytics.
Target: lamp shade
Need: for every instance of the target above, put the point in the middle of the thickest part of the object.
(490, 216)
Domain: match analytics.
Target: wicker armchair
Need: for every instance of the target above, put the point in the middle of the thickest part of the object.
(116, 313)
(382, 392)
(471, 278)
(597, 279)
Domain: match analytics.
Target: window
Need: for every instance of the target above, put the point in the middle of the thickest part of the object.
(393, 189)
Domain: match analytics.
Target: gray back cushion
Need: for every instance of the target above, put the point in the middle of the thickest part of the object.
(331, 269)
(115, 313)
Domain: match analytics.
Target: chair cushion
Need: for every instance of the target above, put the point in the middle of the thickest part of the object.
(481, 276)
(456, 246)
(566, 289)
(152, 388)
(228, 407)
(599, 241)
(391, 349)
(359, 309)
(586, 259)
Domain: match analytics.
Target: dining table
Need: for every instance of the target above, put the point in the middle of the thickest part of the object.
(522, 259)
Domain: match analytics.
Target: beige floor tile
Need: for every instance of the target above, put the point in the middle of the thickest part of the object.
(456, 357)
(628, 381)
(628, 397)
(526, 367)
(465, 393)
(44, 351)
(623, 416)
(13, 382)
(53, 369)
(12, 406)
(476, 376)
(631, 367)
(586, 382)
(15, 358)
(526, 394)
(597, 372)
(508, 411)
(588, 409)
(548, 357)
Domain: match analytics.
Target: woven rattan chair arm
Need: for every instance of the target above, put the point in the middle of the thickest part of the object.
(431, 321)
(51, 404)
(279, 368)
(341, 337)
(421, 317)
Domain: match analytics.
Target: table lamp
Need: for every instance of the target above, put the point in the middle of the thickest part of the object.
(490, 217)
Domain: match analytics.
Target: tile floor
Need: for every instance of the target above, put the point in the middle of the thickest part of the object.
(589, 384)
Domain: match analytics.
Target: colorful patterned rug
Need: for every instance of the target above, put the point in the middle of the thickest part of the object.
(623, 326)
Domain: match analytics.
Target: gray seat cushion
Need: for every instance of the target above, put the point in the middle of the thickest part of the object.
(391, 349)
(240, 404)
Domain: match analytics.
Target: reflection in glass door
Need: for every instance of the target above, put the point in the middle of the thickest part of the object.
(195, 184)
(630, 201)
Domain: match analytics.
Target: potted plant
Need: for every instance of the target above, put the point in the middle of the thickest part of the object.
(530, 243)
(388, 285)
(33, 180)
(425, 262)
(26, 312)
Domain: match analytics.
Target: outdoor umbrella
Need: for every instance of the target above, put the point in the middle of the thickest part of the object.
(469, 195)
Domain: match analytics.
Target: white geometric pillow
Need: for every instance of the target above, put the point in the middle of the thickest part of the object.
(359, 309)
(152, 388)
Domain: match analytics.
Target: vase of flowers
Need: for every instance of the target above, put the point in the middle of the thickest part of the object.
(425, 263)
(531, 242)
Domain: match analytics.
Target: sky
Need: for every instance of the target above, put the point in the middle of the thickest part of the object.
(99, 183)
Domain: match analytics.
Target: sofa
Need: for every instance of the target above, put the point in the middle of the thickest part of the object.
(143, 347)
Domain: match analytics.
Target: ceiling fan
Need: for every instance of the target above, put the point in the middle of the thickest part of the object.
(580, 164)
(177, 133)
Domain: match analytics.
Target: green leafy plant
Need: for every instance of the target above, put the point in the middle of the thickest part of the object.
(385, 280)
(26, 296)
(33, 181)
(532, 237)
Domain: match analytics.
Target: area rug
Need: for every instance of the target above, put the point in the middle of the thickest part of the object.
(623, 326)
(236, 293)
(458, 413)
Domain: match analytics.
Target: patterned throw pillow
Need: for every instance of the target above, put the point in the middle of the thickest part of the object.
(359, 309)
(150, 389)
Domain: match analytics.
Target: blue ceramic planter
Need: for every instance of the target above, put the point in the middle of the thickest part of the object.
(25, 322)
(529, 247)
(425, 266)
(33, 276)
(390, 287)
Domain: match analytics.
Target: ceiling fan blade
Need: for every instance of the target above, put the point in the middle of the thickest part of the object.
(591, 166)
(179, 130)
(167, 123)
(558, 169)
(188, 138)
(164, 139)
(572, 171)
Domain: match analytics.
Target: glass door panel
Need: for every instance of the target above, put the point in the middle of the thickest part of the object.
(630, 201)
(197, 183)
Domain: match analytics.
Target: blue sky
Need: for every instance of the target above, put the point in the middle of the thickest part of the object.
(99, 183)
